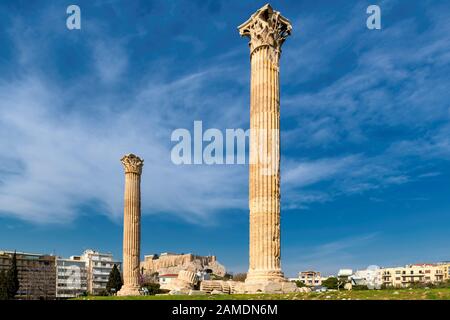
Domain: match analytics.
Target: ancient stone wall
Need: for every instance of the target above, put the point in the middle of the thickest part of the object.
(174, 263)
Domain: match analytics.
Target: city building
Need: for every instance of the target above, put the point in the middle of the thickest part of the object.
(310, 278)
(36, 272)
(345, 272)
(71, 277)
(411, 274)
(370, 277)
(98, 267)
(446, 268)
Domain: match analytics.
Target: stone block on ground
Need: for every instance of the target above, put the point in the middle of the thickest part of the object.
(271, 287)
(176, 292)
(196, 293)
(210, 285)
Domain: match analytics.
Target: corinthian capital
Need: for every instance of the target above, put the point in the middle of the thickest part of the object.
(132, 163)
(266, 27)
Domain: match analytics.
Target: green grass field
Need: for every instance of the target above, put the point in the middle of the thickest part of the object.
(400, 294)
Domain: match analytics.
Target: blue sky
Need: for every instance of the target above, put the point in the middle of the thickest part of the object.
(365, 120)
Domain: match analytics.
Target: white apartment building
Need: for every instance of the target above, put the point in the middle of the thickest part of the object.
(370, 277)
(415, 273)
(71, 277)
(98, 267)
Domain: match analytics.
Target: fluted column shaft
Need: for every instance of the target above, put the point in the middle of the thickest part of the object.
(264, 176)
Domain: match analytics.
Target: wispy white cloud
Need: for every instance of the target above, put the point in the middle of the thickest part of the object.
(307, 173)
(60, 144)
(59, 163)
(110, 60)
(324, 179)
(332, 255)
(395, 79)
(394, 90)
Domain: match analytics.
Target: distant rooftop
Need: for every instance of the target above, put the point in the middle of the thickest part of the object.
(169, 275)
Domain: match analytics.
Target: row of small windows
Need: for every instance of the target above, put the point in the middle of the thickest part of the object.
(412, 272)
(27, 262)
(69, 277)
(64, 285)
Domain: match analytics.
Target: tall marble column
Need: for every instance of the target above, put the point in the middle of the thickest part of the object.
(131, 225)
(267, 31)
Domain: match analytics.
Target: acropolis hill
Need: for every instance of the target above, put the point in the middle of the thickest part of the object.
(171, 263)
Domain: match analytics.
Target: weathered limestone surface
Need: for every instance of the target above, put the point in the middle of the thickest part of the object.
(267, 31)
(132, 225)
(174, 263)
(188, 276)
(210, 285)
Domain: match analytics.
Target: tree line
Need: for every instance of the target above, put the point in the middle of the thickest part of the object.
(9, 280)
